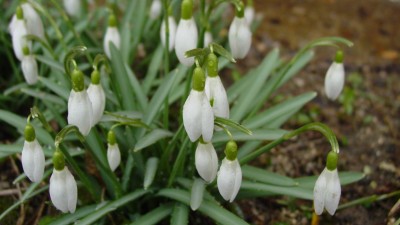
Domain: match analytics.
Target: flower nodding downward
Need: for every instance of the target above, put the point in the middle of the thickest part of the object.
(334, 79)
(32, 156)
(206, 161)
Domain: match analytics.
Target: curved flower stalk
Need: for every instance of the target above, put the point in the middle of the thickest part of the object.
(80, 111)
(327, 188)
(186, 34)
(29, 67)
(230, 173)
(206, 161)
(73, 7)
(33, 21)
(112, 35)
(239, 36)
(171, 32)
(97, 97)
(334, 79)
(155, 9)
(198, 117)
(207, 38)
(62, 188)
(32, 156)
(113, 153)
(18, 32)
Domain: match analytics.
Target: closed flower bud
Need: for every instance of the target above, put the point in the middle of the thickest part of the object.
(63, 190)
(172, 32)
(185, 40)
(229, 179)
(334, 79)
(113, 156)
(112, 35)
(327, 192)
(98, 100)
(207, 39)
(32, 156)
(249, 14)
(155, 9)
(18, 32)
(206, 161)
(73, 7)
(80, 111)
(29, 69)
(239, 37)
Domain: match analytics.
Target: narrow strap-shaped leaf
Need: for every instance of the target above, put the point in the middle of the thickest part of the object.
(268, 189)
(259, 134)
(267, 177)
(196, 194)
(60, 90)
(154, 216)
(180, 215)
(137, 88)
(150, 172)
(151, 138)
(153, 69)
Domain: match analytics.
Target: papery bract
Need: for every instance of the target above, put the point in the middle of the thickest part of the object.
(63, 190)
(185, 40)
(327, 192)
(334, 80)
(112, 35)
(29, 69)
(32, 158)
(80, 111)
(229, 179)
(172, 33)
(206, 161)
(239, 37)
(98, 100)
(113, 156)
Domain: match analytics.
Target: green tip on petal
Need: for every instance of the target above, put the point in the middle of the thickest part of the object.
(95, 77)
(20, 13)
(240, 10)
(231, 150)
(198, 79)
(339, 56)
(187, 9)
(25, 50)
(112, 21)
(58, 160)
(78, 83)
(29, 133)
(111, 138)
(170, 12)
(212, 65)
(331, 160)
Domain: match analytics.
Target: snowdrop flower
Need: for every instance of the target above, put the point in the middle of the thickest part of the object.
(63, 189)
(155, 9)
(97, 97)
(206, 161)
(32, 156)
(171, 33)
(207, 38)
(29, 67)
(80, 111)
(186, 34)
(249, 12)
(215, 90)
(113, 153)
(73, 7)
(334, 79)
(198, 117)
(33, 21)
(18, 33)
(230, 174)
(239, 36)
(112, 35)
(327, 188)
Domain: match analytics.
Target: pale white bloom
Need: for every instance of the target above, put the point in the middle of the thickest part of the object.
(155, 9)
(73, 7)
(63, 190)
(98, 100)
(334, 80)
(207, 39)
(112, 35)
(33, 160)
(206, 161)
(239, 37)
(19, 40)
(185, 40)
(33, 21)
(216, 93)
(80, 111)
(29, 69)
(172, 32)
(229, 179)
(198, 117)
(113, 156)
(249, 14)
(327, 192)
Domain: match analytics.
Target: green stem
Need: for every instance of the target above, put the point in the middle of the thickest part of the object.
(166, 63)
(168, 151)
(178, 162)
(369, 199)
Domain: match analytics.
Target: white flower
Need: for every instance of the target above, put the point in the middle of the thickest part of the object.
(33, 160)
(113, 156)
(206, 161)
(98, 100)
(172, 32)
(216, 93)
(63, 190)
(239, 37)
(73, 7)
(33, 21)
(80, 111)
(185, 40)
(334, 80)
(327, 192)
(229, 179)
(29, 69)
(18, 38)
(207, 39)
(198, 117)
(249, 14)
(155, 9)
(112, 35)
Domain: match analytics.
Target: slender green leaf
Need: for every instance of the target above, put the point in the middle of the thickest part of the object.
(232, 124)
(151, 138)
(150, 172)
(51, 63)
(137, 88)
(70, 218)
(196, 194)
(222, 52)
(153, 68)
(260, 134)
(267, 177)
(154, 216)
(60, 90)
(180, 215)
(267, 189)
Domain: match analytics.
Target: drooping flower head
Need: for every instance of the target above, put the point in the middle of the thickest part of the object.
(18, 32)
(334, 79)
(29, 67)
(155, 9)
(239, 35)
(206, 161)
(32, 156)
(171, 32)
(249, 12)
(112, 35)
(198, 117)
(327, 188)
(33, 21)
(186, 34)
(113, 153)
(97, 97)
(73, 7)
(230, 174)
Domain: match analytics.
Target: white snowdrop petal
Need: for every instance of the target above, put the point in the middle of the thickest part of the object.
(113, 156)
(18, 38)
(11, 25)
(72, 191)
(239, 38)
(207, 39)
(207, 119)
(192, 115)
(98, 100)
(29, 69)
(206, 161)
(80, 111)
(33, 21)
(238, 179)
(319, 192)
(73, 7)
(226, 179)
(334, 80)
(112, 35)
(333, 192)
(27, 159)
(249, 14)
(39, 161)
(185, 40)
(58, 190)
(215, 90)
(155, 9)
(172, 32)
